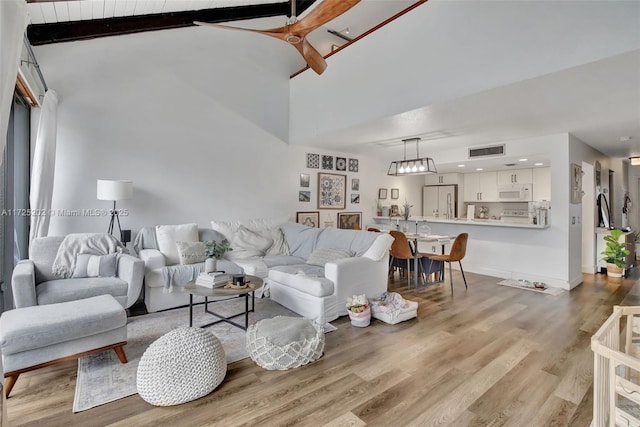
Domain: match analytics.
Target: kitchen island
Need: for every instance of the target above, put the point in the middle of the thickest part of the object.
(393, 221)
(506, 250)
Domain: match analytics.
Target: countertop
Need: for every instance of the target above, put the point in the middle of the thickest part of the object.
(463, 221)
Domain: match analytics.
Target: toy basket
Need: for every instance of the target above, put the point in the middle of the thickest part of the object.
(360, 319)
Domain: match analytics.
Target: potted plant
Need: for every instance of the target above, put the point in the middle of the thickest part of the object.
(614, 254)
(214, 250)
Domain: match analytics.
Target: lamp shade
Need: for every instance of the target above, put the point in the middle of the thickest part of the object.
(114, 190)
(635, 161)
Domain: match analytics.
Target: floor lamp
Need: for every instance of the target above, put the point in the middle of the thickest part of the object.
(114, 190)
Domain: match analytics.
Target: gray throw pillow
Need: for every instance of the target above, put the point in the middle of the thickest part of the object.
(95, 265)
(322, 256)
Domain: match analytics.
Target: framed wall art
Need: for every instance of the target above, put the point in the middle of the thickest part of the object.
(382, 193)
(304, 180)
(395, 193)
(332, 190)
(348, 220)
(304, 196)
(355, 184)
(355, 198)
(310, 219)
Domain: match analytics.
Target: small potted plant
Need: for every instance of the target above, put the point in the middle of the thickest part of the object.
(614, 254)
(214, 250)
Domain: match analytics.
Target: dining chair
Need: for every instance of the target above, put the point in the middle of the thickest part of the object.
(457, 252)
(401, 250)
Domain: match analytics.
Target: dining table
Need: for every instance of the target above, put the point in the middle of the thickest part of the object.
(437, 240)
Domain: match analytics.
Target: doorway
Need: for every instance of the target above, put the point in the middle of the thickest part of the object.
(588, 219)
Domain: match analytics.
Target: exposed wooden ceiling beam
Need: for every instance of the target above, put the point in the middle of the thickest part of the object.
(40, 34)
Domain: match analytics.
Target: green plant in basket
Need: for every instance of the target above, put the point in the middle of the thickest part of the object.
(615, 251)
(216, 249)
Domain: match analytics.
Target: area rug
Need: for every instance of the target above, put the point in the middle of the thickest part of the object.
(517, 284)
(103, 379)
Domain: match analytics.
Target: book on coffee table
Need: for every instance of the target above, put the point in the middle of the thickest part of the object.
(212, 280)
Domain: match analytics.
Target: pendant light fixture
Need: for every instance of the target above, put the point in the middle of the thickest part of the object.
(417, 166)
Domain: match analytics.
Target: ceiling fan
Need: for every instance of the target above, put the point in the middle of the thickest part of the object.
(295, 32)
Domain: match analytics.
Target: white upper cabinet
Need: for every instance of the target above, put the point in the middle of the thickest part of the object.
(480, 187)
(442, 179)
(515, 176)
(541, 184)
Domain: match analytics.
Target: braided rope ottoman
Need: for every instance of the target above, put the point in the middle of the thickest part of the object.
(285, 342)
(180, 366)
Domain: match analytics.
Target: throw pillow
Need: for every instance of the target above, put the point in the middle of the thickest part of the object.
(247, 243)
(280, 246)
(95, 265)
(168, 235)
(191, 252)
(322, 256)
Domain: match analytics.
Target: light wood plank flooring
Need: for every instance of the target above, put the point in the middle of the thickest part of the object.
(488, 356)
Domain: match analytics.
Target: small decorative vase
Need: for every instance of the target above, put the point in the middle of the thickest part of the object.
(210, 265)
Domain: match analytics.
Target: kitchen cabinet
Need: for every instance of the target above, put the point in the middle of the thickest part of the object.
(480, 187)
(541, 184)
(515, 176)
(442, 179)
(440, 198)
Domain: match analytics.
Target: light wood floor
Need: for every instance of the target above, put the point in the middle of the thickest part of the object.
(491, 355)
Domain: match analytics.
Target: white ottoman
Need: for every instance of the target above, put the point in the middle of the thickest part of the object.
(180, 366)
(285, 342)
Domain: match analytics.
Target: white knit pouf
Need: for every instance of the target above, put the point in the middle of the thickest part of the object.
(285, 342)
(180, 366)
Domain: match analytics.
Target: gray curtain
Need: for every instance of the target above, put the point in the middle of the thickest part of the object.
(13, 21)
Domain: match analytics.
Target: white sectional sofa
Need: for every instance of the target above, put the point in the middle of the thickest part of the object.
(290, 258)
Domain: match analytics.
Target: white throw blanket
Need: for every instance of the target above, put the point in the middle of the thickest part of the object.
(82, 243)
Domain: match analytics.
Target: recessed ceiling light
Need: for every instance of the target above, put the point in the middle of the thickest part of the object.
(624, 138)
(523, 160)
(479, 169)
(460, 166)
(538, 164)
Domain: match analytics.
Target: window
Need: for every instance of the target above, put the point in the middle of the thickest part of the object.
(14, 197)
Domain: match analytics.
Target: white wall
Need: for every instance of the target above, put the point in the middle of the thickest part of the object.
(472, 54)
(201, 138)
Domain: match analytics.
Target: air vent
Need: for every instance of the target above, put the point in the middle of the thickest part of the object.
(495, 150)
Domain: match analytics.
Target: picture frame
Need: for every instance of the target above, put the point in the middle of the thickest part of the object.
(576, 184)
(382, 193)
(304, 180)
(355, 198)
(304, 196)
(395, 193)
(310, 219)
(348, 220)
(394, 210)
(332, 191)
(355, 184)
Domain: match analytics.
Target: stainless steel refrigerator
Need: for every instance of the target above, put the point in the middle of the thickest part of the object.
(440, 198)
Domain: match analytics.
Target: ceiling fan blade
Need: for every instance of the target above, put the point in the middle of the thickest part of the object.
(313, 58)
(323, 13)
(279, 33)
